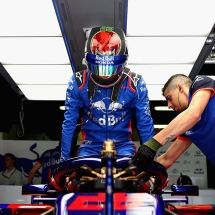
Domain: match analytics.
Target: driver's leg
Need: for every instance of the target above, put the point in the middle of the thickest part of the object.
(89, 149)
(125, 148)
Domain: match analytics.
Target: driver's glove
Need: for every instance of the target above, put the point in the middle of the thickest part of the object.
(145, 154)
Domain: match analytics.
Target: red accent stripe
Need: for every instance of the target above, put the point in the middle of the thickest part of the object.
(130, 83)
(183, 138)
(122, 202)
(198, 209)
(84, 80)
(83, 135)
(80, 202)
(49, 175)
(34, 206)
(212, 93)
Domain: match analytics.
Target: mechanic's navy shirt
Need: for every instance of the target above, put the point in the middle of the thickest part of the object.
(103, 119)
(49, 159)
(202, 134)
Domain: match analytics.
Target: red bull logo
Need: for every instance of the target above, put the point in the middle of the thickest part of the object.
(107, 118)
(51, 162)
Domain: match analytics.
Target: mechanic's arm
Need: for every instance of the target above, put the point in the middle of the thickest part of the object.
(33, 171)
(186, 119)
(179, 125)
(173, 152)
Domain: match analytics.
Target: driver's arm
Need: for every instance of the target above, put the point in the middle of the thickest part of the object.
(179, 125)
(174, 152)
(73, 103)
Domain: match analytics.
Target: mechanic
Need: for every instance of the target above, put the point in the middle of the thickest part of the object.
(194, 124)
(48, 161)
(108, 94)
(11, 176)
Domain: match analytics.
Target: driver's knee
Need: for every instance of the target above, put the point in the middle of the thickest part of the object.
(126, 151)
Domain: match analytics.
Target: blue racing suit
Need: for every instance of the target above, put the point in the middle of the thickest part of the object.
(104, 119)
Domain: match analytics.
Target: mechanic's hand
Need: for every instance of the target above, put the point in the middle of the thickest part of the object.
(145, 154)
(143, 157)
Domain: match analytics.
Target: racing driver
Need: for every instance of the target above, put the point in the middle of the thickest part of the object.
(106, 96)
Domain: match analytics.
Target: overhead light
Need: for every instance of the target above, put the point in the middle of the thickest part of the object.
(159, 74)
(44, 92)
(211, 56)
(209, 61)
(28, 18)
(40, 74)
(58, 92)
(164, 50)
(162, 108)
(33, 50)
(210, 76)
(160, 126)
(154, 92)
(62, 108)
(170, 18)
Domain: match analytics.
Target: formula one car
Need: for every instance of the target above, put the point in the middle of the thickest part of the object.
(103, 184)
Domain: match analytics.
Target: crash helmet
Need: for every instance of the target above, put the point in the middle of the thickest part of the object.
(106, 52)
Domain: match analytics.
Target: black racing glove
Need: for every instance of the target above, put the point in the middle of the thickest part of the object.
(145, 154)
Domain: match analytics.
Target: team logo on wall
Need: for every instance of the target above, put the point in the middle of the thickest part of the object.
(174, 171)
(186, 162)
(198, 153)
(185, 170)
(186, 153)
(199, 171)
(177, 161)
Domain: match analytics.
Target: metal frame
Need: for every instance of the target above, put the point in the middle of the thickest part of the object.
(11, 82)
(206, 49)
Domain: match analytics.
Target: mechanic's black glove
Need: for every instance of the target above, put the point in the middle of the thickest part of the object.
(145, 154)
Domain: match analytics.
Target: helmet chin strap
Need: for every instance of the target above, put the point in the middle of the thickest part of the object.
(105, 83)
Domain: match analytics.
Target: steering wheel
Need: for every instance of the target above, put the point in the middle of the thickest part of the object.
(67, 167)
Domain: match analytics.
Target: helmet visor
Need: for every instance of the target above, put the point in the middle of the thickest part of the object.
(106, 66)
